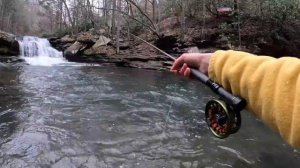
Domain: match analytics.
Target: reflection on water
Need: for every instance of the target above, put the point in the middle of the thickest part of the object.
(68, 116)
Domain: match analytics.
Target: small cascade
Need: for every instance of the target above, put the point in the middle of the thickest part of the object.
(38, 51)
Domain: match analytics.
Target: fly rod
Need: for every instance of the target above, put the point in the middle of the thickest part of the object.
(222, 116)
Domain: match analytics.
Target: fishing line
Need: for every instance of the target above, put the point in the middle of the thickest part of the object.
(222, 115)
(169, 109)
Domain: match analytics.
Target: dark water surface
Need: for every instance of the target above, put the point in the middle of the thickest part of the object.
(80, 116)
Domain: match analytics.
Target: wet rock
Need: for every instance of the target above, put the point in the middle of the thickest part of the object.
(8, 45)
(10, 59)
(74, 50)
(58, 44)
(54, 40)
(67, 45)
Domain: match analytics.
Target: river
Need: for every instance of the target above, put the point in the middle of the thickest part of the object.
(101, 116)
(79, 115)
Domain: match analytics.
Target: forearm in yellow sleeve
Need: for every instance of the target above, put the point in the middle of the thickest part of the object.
(270, 86)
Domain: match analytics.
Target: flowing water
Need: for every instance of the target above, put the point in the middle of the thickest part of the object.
(38, 51)
(75, 115)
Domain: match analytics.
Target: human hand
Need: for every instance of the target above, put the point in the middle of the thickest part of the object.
(199, 61)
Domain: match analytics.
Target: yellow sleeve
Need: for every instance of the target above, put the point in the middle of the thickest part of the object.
(271, 87)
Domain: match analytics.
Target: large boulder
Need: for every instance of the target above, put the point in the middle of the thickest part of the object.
(74, 50)
(101, 50)
(9, 46)
(67, 39)
(102, 41)
(62, 43)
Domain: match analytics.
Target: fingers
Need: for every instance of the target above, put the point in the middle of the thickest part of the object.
(187, 73)
(177, 64)
(183, 69)
(180, 67)
(198, 61)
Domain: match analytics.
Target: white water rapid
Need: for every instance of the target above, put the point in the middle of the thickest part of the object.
(38, 51)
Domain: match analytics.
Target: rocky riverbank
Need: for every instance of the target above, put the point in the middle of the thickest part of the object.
(98, 46)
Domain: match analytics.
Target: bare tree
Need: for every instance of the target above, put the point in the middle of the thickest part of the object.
(118, 26)
(154, 6)
(113, 19)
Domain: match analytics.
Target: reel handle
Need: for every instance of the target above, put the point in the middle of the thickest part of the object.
(237, 103)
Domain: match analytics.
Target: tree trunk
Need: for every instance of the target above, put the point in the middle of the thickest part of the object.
(90, 13)
(235, 7)
(239, 24)
(75, 15)
(131, 10)
(104, 10)
(203, 20)
(2, 17)
(128, 25)
(113, 19)
(183, 18)
(153, 24)
(60, 14)
(154, 11)
(118, 26)
(69, 14)
(146, 6)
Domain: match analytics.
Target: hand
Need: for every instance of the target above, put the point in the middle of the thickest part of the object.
(199, 61)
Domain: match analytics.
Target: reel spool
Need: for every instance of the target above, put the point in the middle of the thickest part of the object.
(221, 119)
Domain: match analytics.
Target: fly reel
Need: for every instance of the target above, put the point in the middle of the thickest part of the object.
(222, 119)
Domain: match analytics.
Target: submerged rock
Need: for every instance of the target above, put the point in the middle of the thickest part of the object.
(9, 46)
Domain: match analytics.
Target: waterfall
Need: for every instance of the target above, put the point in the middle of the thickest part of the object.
(38, 51)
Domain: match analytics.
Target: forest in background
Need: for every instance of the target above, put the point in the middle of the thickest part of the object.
(40, 17)
(269, 27)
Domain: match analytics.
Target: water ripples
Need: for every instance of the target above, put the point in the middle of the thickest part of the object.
(69, 116)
